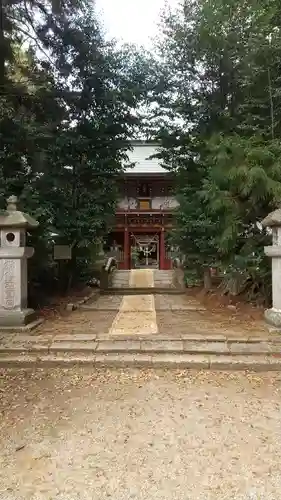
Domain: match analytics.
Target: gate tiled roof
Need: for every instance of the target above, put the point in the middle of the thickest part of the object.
(141, 156)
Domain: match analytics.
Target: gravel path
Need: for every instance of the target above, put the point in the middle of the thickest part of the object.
(120, 435)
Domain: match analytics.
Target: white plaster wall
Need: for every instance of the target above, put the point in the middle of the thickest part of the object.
(127, 203)
(157, 203)
(164, 203)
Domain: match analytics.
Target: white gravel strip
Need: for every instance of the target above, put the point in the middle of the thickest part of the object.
(136, 314)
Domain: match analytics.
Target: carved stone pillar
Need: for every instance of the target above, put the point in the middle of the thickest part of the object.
(273, 220)
(14, 311)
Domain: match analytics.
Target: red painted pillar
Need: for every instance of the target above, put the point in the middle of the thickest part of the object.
(126, 249)
(162, 250)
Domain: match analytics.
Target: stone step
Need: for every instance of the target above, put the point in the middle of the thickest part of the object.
(162, 278)
(165, 277)
(163, 271)
(260, 363)
(120, 279)
(166, 280)
(162, 284)
(141, 291)
(142, 344)
(183, 353)
(120, 284)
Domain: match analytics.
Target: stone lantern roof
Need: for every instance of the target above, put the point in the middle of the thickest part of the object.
(13, 218)
(273, 219)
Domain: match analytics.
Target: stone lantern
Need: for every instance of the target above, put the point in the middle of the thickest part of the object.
(14, 312)
(273, 221)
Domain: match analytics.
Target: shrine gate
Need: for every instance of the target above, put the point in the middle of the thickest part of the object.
(144, 215)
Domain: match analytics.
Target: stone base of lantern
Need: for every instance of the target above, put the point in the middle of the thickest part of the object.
(12, 320)
(273, 317)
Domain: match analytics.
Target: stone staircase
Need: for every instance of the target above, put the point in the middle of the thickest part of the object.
(144, 281)
(120, 279)
(191, 352)
(163, 279)
(135, 327)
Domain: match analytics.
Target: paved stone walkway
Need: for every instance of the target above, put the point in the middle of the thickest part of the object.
(172, 316)
(159, 315)
(147, 330)
(137, 312)
(142, 435)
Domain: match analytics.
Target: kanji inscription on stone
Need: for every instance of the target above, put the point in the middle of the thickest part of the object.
(9, 283)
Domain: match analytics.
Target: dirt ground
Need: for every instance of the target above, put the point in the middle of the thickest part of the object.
(221, 316)
(222, 304)
(139, 434)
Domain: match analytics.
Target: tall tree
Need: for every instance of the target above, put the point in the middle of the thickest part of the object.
(223, 104)
(69, 110)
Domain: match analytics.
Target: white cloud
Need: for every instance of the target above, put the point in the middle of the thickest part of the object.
(132, 21)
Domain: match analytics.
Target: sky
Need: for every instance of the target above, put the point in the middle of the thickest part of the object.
(132, 21)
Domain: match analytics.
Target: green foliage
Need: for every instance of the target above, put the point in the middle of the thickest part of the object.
(221, 128)
(68, 110)
(191, 278)
(221, 133)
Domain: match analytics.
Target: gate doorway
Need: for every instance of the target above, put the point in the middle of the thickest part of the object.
(145, 251)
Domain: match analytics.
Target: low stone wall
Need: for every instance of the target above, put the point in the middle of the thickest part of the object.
(72, 306)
